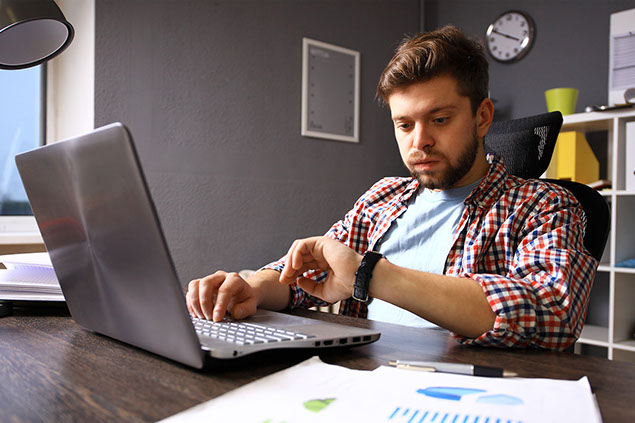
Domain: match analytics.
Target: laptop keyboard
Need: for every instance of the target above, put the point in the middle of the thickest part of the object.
(244, 333)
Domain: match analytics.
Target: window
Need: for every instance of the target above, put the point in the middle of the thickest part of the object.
(22, 128)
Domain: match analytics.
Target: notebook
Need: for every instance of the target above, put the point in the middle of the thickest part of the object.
(102, 232)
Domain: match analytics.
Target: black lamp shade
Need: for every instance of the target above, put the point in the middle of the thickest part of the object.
(31, 32)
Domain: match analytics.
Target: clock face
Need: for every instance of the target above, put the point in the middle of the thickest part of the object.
(510, 36)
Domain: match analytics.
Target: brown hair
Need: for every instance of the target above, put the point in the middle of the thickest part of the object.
(445, 51)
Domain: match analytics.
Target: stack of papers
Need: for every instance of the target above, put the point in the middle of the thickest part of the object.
(313, 391)
(29, 277)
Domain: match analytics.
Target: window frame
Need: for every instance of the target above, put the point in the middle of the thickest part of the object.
(20, 227)
(69, 107)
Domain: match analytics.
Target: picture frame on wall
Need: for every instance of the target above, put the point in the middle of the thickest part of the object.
(330, 91)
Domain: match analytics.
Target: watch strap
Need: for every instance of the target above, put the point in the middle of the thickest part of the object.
(364, 274)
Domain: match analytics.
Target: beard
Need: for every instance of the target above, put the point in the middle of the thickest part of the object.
(445, 178)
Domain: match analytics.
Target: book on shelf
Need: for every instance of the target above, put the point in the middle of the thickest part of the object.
(626, 263)
(29, 277)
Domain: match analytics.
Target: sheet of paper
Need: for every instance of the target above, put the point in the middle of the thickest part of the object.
(35, 259)
(29, 277)
(313, 391)
(301, 393)
(423, 397)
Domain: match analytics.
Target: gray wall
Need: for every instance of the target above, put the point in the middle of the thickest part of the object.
(211, 92)
(571, 48)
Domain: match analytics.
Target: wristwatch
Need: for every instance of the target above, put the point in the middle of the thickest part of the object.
(363, 275)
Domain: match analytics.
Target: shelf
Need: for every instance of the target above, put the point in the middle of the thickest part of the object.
(20, 238)
(625, 345)
(594, 125)
(595, 335)
(594, 121)
(611, 314)
(617, 269)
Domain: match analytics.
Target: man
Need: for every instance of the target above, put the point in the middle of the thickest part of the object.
(495, 259)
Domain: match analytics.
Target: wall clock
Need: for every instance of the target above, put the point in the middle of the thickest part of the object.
(510, 36)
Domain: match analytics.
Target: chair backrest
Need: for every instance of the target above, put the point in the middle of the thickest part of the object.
(526, 146)
(598, 215)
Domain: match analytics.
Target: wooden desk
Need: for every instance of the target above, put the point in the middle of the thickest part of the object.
(53, 370)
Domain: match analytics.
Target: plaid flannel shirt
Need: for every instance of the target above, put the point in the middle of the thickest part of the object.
(521, 240)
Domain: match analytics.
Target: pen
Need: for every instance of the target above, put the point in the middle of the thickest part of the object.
(457, 368)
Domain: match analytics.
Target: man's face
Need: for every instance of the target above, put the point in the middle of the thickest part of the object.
(438, 135)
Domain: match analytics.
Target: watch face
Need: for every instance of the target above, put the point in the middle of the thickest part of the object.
(510, 36)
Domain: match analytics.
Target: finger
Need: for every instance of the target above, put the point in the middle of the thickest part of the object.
(288, 270)
(312, 265)
(307, 251)
(299, 249)
(312, 288)
(208, 287)
(225, 294)
(244, 309)
(193, 303)
(300, 252)
(302, 256)
(310, 260)
(233, 291)
(308, 285)
(187, 303)
(243, 302)
(290, 259)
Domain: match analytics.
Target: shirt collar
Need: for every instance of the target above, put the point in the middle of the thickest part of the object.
(488, 190)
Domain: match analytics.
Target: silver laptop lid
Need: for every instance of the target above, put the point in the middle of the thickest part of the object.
(100, 227)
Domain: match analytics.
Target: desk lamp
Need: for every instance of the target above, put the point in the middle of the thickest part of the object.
(31, 32)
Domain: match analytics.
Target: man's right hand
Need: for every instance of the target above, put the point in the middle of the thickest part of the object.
(214, 295)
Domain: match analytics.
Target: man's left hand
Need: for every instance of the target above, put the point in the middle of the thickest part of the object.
(327, 254)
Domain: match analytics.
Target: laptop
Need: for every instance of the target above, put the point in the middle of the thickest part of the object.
(102, 232)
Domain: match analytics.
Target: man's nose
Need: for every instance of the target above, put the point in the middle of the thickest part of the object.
(422, 138)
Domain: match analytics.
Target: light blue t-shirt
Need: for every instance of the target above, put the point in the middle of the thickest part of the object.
(420, 239)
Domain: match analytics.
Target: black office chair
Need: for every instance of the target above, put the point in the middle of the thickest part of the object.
(526, 146)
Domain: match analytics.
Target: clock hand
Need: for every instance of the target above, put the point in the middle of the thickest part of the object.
(506, 35)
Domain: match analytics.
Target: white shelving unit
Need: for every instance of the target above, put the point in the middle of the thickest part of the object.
(610, 323)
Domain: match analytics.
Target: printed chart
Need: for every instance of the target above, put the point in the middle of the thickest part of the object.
(453, 394)
(433, 416)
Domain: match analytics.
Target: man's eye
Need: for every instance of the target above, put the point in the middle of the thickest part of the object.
(441, 120)
(404, 126)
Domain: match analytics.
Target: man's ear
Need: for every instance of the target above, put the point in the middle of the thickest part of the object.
(484, 116)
